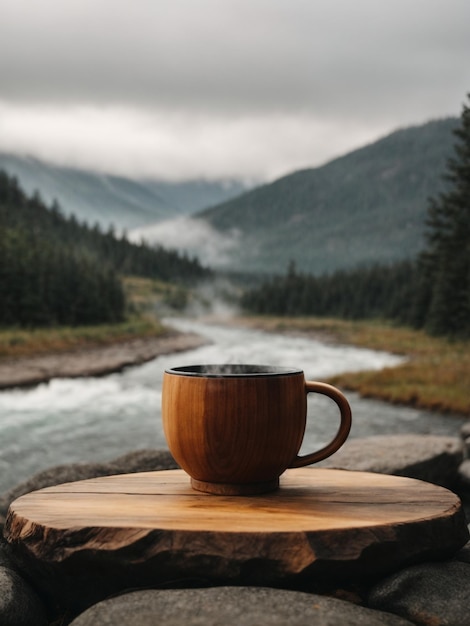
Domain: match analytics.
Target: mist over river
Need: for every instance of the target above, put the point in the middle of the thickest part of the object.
(96, 419)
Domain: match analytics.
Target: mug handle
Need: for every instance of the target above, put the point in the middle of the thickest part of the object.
(344, 427)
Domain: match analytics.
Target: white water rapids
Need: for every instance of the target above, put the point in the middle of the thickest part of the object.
(95, 419)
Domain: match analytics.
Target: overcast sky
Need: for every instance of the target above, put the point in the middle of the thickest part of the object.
(221, 88)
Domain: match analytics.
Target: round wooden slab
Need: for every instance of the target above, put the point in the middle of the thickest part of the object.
(149, 529)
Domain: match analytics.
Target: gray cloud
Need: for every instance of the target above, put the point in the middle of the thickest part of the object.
(362, 68)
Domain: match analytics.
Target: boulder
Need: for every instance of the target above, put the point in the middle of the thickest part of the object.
(6, 559)
(435, 459)
(463, 554)
(136, 461)
(464, 476)
(432, 594)
(465, 436)
(230, 606)
(19, 604)
(466, 447)
(465, 430)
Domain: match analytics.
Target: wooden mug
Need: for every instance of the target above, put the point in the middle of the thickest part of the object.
(236, 428)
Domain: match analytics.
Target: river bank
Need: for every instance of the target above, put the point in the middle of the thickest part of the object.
(92, 360)
(434, 376)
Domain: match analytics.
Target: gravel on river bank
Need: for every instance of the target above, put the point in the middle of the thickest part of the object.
(95, 361)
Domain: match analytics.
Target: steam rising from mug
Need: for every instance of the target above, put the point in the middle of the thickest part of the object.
(236, 428)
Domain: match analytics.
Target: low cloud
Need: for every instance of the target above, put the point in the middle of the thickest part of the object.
(178, 145)
(193, 236)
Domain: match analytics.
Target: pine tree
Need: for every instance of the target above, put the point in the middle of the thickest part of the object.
(443, 301)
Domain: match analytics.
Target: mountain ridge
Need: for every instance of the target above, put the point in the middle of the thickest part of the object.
(366, 206)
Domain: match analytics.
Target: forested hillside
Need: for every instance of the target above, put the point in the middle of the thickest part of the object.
(54, 270)
(366, 207)
(431, 291)
(375, 292)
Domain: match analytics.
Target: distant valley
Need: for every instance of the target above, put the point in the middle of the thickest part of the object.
(365, 207)
(124, 202)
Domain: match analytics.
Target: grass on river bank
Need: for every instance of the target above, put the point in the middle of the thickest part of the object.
(142, 294)
(23, 343)
(435, 376)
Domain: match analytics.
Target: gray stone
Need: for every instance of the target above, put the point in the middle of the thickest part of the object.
(432, 594)
(136, 461)
(19, 604)
(466, 447)
(464, 476)
(465, 430)
(434, 459)
(6, 559)
(465, 436)
(231, 606)
(463, 554)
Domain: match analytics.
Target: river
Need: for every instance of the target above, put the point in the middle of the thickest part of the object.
(96, 419)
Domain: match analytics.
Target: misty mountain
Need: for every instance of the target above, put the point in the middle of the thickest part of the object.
(106, 199)
(367, 206)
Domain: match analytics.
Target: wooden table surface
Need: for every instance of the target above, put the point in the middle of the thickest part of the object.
(149, 529)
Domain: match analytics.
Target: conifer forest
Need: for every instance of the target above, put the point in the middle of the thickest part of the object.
(57, 271)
